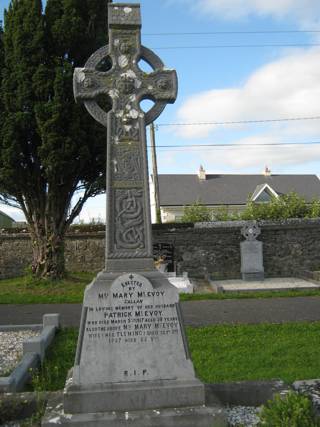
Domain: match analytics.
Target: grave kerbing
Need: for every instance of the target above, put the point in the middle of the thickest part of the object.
(132, 352)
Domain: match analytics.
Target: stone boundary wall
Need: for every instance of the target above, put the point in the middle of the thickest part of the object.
(203, 249)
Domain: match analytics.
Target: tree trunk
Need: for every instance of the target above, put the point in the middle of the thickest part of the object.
(48, 255)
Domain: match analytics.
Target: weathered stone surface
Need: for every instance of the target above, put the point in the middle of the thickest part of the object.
(132, 351)
(251, 260)
(138, 325)
(201, 416)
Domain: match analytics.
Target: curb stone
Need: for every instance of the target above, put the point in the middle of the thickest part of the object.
(33, 354)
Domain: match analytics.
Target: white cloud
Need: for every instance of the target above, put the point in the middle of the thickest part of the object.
(286, 88)
(303, 11)
(259, 155)
(14, 213)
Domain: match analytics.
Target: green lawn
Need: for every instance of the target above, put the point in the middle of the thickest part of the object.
(59, 359)
(289, 351)
(27, 290)
(251, 294)
(221, 353)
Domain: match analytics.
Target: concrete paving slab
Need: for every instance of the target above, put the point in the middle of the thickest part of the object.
(271, 284)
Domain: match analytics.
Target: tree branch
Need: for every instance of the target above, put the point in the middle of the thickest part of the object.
(91, 191)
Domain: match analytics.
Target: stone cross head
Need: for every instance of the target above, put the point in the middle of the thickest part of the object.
(251, 230)
(126, 84)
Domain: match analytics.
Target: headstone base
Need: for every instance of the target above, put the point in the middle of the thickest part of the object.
(251, 277)
(132, 396)
(195, 416)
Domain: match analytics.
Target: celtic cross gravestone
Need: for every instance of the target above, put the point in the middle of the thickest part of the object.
(132, 364)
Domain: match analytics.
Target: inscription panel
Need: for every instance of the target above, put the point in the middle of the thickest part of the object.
(251, 256)
(129, 332)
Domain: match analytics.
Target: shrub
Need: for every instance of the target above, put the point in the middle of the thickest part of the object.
(287, 206)
(292, 410)
(196, 213)
(221, 214)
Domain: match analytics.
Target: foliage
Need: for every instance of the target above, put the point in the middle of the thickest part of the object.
(59, 359)
(196, 212)
(290, 205)
(50, 148)
(1, 70)
(221, 214)
(291, 410)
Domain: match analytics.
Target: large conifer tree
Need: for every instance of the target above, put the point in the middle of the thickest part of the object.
(50, 148)
(1, 69)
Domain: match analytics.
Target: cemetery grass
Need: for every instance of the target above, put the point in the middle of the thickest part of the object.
(28, 290)
(251, 294)
(225, 353)
(220, 353)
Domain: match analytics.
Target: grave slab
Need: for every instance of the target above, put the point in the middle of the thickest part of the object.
(199, 416)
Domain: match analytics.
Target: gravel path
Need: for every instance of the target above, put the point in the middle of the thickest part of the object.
(11, 348)
(243, 415)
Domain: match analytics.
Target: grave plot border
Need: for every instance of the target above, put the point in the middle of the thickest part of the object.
(34, 351)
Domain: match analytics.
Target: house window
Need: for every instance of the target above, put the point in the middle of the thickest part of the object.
(264, 197)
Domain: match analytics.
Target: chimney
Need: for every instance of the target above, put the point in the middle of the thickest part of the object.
(267, 171)
(202, 173)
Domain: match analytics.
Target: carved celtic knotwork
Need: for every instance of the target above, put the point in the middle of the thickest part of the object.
(127, 163)
(251, 230)
(129, 233)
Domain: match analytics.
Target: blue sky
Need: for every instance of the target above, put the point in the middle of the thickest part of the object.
(235, 84)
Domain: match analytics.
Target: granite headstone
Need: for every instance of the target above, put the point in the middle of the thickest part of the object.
(251, 253)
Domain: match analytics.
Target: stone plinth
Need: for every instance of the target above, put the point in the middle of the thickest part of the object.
(200, 416)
